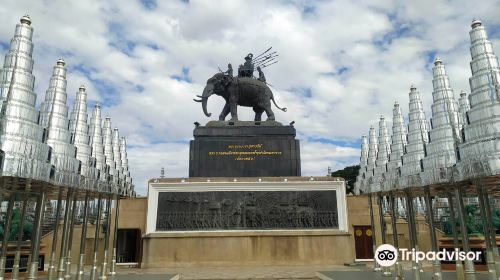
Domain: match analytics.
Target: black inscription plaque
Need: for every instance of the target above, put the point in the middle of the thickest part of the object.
(244, 151)
(218, 210)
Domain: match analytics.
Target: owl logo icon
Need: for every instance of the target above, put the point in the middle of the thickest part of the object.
(386, 255)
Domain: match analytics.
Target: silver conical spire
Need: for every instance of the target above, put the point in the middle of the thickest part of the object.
(480, 154)
(417, 138)
(126, 172)
(372, 157)
(382, 156)
(117, 157)
(96, 142)
(398, 145)
(363, 161)
(464, 106)
(80, 130)
(445, 134)
(54, 117)
(108, 151)
(21, 138)
(128, 179)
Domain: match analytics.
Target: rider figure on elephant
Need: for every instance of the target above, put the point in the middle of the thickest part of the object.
(246, 70)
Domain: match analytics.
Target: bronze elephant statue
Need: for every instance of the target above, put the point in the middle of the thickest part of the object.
(243, 91)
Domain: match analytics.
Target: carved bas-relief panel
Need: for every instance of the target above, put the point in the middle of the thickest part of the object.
(247, 210)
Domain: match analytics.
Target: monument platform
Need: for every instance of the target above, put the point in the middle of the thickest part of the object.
(246, 221)
(244, 149)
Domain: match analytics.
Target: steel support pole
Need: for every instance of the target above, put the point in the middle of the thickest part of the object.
(93, 271)
(64, 239)
(55, 233)
(70, 238)
(104, 265)
(413, 233)
(436, 264)
(36, 235)
(393, 210)
(6, 233)
(458, 263)
(386, 271)
(376, 266)
(81, 260)
(414, 227)
(490, 260)
(470, 272)
(112, 271)
(17, 257)
(493, 233)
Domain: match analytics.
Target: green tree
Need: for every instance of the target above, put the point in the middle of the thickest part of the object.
(473, 223)
(349, 174)
(15, 227)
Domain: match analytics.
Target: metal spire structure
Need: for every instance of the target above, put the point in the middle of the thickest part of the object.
(362, 165)
(96, 142)
(128, 180)
(80, 130)
(463, 108)
(480, 154)
(21, 138)
(384, 150)
(398, 144)
(108, 152)
(43, 154)
(372, 157)
(54, 117)
(117, 157)
(445, 132)
(417, 139)
(458, 159)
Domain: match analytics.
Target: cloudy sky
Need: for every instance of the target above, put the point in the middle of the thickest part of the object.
(342, 64)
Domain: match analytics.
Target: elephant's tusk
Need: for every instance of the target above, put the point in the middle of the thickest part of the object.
(196, 100)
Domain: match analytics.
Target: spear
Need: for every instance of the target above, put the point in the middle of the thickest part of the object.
(269, 64)
(265, 57)
(264, 52)
(264, 62)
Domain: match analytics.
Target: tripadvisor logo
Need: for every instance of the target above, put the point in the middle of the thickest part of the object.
(387, 255)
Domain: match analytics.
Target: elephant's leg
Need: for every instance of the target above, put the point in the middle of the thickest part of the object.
(234, 110)
(224, 112)
(269, 112)
(258, 113)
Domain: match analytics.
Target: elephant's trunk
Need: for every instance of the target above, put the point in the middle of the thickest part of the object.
(207, 91)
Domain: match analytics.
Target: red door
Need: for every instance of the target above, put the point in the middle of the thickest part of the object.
(363, 241)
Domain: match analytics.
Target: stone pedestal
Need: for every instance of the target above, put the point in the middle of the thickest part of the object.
(246, 221)
(244, 149)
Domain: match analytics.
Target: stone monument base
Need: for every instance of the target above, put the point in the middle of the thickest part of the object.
(246, 221)
(244, 149)
(246, 248)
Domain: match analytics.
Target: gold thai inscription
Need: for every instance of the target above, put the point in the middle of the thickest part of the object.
(246, 152)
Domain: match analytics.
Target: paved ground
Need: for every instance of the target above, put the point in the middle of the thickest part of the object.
(335, 272)
(353, 275)
(226, 273)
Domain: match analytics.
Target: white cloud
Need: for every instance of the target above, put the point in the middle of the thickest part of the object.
(355, 57)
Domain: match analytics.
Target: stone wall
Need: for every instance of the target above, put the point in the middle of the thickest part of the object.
(261, 247)
(246, 248)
